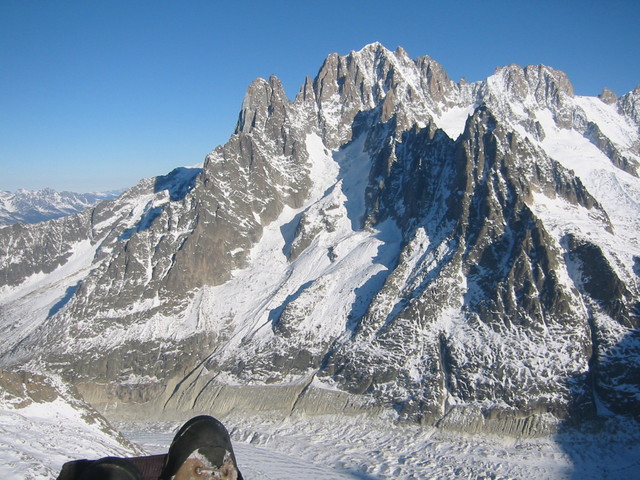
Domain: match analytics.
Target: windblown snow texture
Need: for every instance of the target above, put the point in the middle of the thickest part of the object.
(459, 254)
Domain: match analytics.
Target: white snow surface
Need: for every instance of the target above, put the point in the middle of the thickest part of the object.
(453, 120)
(616, 191)
(26, 306)
(270, 279)
(35, 441)
(37, 438)
(364, 448)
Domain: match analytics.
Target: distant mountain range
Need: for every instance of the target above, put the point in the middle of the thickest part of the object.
(464, 255)
(32, 206)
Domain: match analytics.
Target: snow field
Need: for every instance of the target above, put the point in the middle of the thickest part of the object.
(37, 439)
(366, 448)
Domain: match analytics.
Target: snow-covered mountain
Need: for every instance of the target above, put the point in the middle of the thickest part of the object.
(463, 255)
(32, 206)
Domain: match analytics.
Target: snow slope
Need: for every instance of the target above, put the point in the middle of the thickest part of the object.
(340, 262)
(43, 425)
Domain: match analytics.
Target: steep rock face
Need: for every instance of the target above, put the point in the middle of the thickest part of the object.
(608, 96)
(187, 229)
(391, 83)
(29, 250)
(480, 266)
(629, 104)
(464, 254)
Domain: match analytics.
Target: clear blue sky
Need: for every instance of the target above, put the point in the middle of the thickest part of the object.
(95, 95)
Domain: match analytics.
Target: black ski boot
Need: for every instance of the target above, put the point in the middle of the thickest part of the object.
(110, 468)
(201, 450)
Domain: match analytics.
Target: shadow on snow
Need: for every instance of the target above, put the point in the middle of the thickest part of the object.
(601, 436)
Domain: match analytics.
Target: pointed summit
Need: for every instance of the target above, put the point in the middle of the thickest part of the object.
(608, 96)
(263, 101)
(374, 47)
